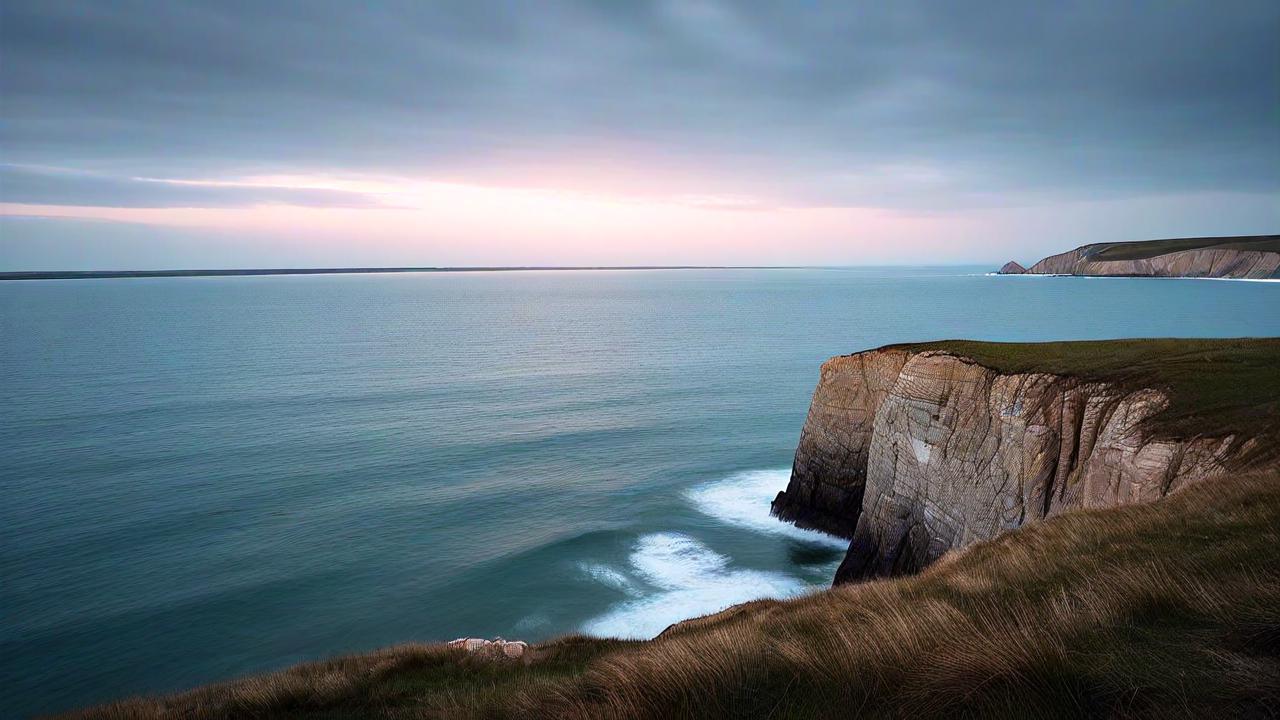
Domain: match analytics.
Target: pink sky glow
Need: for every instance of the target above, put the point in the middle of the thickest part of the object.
(403, 221)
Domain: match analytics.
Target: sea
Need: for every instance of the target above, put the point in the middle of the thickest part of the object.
(207, 477)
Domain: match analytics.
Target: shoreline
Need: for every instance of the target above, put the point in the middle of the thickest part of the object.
(1130, 277)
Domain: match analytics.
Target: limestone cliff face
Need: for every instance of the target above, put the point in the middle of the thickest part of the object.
(911, 454)
(1204, 262)
(830, 468)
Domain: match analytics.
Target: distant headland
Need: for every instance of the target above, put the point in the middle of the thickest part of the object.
(1253, 257)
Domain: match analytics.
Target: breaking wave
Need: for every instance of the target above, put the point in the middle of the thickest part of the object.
(743, 499)
(671, 576)
(691, 580)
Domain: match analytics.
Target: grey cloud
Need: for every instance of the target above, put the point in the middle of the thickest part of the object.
(812, 103)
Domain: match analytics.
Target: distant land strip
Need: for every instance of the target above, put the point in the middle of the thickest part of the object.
(97, 274)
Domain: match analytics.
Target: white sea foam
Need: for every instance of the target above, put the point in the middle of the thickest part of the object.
(1023, 275)
(606, 575)
(1261, 280)
(532, 623)
(673, 561)
(743, 499)
(692, 579)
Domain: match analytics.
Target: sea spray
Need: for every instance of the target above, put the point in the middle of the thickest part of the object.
(743, 500)
(671, 576)
(690, 579)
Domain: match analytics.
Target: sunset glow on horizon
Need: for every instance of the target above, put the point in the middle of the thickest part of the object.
(431, 222)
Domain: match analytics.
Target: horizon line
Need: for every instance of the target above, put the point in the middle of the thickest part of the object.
(232, 272)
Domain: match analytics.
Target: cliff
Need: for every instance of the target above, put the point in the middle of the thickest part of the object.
(913, 451)
(1254, 257)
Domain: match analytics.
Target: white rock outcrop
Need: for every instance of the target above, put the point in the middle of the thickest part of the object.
(496, 648)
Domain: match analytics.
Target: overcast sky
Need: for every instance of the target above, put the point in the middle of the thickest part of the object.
(237, 134)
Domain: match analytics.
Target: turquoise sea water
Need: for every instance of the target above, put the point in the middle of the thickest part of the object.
(207, 477)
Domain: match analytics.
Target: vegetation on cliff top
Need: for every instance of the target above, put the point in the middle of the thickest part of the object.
(1163, 610)
(1145, 249)
(1215, 387)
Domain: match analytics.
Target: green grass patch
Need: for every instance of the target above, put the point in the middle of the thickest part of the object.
(1215, 387)
(1145, 249)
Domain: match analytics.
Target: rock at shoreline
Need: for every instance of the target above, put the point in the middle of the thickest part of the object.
(1012, 268)
(496, 648)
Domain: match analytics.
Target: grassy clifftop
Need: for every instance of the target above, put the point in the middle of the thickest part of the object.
(1215, 387)
(1163, 610)
(1146, 249)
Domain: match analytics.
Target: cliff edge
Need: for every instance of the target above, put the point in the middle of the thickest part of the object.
(912, 451)
(1243, 257)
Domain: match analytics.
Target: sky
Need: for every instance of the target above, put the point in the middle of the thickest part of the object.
(229, 133)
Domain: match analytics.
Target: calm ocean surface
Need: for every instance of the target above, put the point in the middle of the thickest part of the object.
(207, 477)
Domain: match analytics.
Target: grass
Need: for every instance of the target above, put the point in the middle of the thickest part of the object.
(430, 680)
(1145, 249)
(1215, 387)
(1164, 610)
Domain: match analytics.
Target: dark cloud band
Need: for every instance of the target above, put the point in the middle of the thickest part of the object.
(897, 104)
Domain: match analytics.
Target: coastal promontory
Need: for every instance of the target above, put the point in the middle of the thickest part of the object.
(913, 451)
(1252, 257)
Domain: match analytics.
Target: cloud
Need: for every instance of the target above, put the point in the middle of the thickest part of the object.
(908, 105)
(53, 186)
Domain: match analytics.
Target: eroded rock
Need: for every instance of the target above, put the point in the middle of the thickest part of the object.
(496, 648)
(1214, 262)
(912, 454)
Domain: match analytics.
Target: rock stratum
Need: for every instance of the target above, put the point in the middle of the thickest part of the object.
(1245, 257)
(913, 451)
